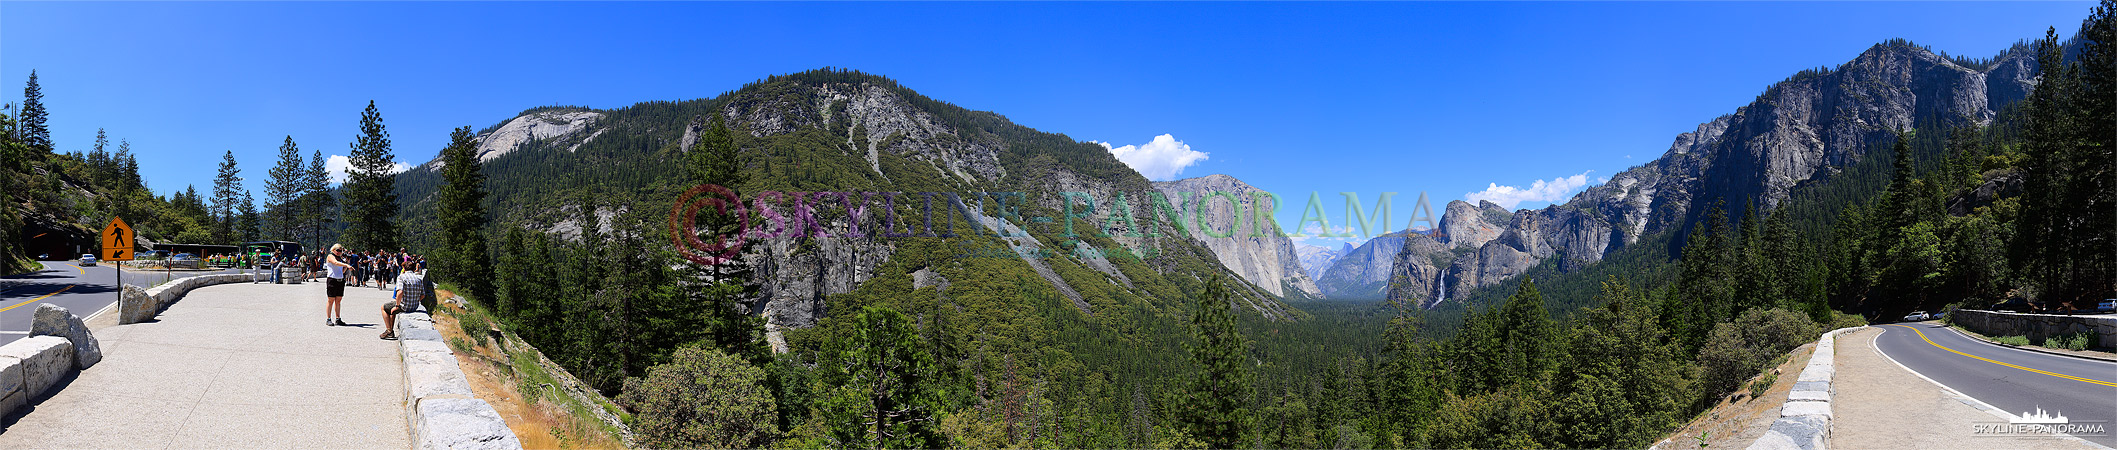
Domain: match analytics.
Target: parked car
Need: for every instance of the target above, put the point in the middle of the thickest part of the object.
(2107, 306)
(2014, 305)
(88, 260)
(184, 257)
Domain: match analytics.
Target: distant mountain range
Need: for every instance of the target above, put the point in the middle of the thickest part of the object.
(1316, 260)
(1801, 130)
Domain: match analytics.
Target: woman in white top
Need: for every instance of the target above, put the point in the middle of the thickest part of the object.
(334, 288)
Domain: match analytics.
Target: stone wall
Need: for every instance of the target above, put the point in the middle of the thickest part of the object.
(1804, 420)
(31, 366)
(2036, 326)
(137, 305)
(438, 402)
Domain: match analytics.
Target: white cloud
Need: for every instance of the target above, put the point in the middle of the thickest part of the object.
(1553, 191)
(1159, 160)
(337, 165)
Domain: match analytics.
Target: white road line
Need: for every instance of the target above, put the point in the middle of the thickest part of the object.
(13, 332)
(1875, 344)
(2029, 352)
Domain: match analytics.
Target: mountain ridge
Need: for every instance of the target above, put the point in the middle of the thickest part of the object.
(1799, 130)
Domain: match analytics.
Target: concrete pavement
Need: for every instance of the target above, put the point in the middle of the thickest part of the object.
(233, 366)
(1879, 404)
(82, 290)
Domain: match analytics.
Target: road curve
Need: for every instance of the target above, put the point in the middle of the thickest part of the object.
(81, 289)
(2013, 380)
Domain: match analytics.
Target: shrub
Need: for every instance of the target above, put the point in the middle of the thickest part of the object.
(474, 325)
(1736, 350)
(2012, 340)
(1842, 320)
(702, 398)
(2072, 341)
(1757, 388)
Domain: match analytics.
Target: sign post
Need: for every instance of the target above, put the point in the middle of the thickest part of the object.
(118, 247)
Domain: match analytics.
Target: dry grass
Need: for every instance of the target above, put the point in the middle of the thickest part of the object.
(1740, 418)
(541, 420)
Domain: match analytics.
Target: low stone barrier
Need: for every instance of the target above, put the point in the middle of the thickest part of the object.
(136, 305)
(438, 401)
(58, 346)
(2036, 326)
(1804, 421)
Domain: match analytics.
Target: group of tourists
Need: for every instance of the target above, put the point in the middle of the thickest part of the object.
(381, 267)
(402, 268)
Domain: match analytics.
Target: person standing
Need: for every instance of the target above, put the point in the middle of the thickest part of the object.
(334, 289)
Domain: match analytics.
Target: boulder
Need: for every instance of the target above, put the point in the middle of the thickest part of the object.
(52, 320)
(135, 306)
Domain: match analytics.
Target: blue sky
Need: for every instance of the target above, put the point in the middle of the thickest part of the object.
(1444, 98)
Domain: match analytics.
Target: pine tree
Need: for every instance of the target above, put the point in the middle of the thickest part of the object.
(284, 191)
(33, 130)
(227, 193)
(99, 159)
(317, 201)
(1625, 383)
(248, 226)
(1219, 409)
(128, 168)
(370, 211)
(883, 394)
(464, 257)
(1705, 290)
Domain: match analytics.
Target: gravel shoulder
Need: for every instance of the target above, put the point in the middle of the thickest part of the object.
(1879, 404)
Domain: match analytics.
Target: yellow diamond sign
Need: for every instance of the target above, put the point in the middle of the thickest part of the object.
(117, 240)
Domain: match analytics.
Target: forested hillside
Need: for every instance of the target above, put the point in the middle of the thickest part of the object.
(53, 202)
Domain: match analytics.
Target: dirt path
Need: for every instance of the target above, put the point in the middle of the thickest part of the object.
(1879, 404)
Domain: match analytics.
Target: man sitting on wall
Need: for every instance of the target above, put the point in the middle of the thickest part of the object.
(411, 292)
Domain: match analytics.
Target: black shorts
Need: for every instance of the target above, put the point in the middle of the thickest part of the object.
(334, 288)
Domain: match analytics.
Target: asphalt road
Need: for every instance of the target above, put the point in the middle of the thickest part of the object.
(83, 290)
(2016, 381)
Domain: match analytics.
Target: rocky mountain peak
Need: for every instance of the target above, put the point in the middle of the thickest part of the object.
(1269, 261)
(1797, 130)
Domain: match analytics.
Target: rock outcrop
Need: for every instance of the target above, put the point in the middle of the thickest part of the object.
(532, 127)
(1799, 130)
(52, 320)
(1265, 258)
(1466, 226)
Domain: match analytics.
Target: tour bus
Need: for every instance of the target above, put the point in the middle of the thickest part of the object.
(262, 251)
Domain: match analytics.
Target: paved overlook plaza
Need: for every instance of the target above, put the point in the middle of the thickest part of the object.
(232, 366)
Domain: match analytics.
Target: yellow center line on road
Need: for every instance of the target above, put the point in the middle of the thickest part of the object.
(34, 300)
(1922, 335)
(77, 268)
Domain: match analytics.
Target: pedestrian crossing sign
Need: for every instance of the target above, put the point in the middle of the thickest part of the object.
(117, 240)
